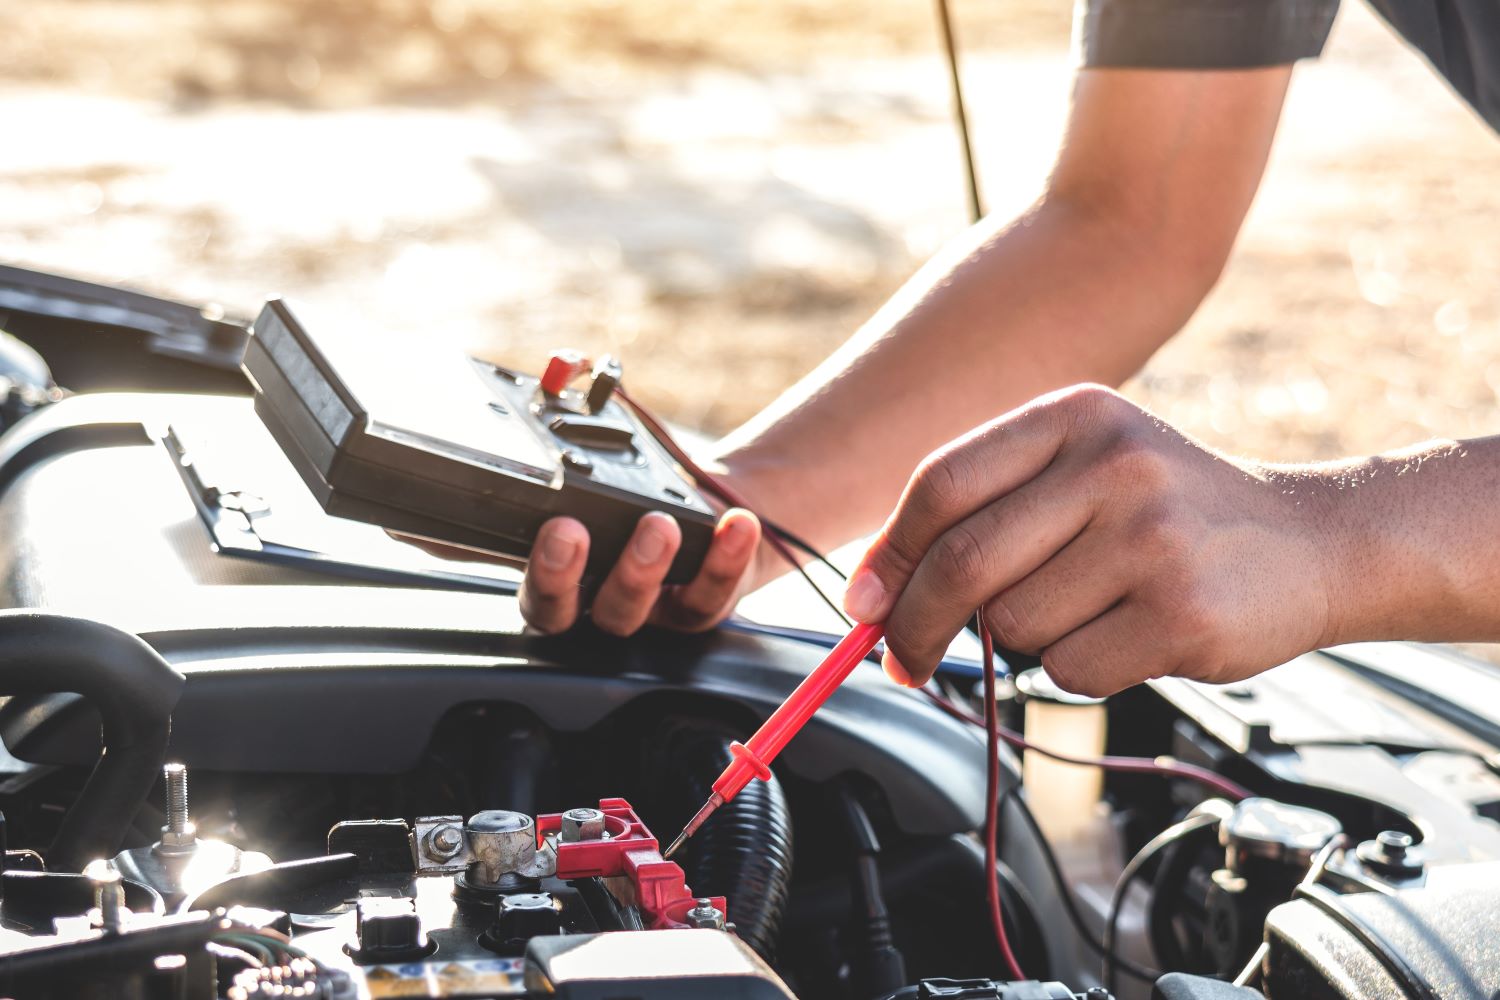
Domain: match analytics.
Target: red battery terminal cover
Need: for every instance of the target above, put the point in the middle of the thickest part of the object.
(629, 851)
(565, 366)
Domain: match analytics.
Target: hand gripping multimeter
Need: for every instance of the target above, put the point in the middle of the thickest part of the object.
(452, 449)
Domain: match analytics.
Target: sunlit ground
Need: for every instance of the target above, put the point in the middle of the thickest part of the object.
(721, 191)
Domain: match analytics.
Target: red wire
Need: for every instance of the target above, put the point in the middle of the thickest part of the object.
(703, 478)
(992, 803)
(994, 732)
(1160, 766)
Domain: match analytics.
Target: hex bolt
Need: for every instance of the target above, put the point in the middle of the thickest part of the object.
(705, 914)
(109, 893)
(443, 842)
(179, 832)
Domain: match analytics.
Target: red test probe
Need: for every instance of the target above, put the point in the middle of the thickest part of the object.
(753, 759)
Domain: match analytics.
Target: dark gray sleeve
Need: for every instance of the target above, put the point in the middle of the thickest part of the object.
(1200, 34)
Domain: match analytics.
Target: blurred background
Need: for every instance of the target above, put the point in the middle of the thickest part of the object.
(720, 191)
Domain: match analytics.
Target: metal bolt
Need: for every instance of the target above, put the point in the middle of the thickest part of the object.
(109, 893)
(443, 842)
(705, 914)
(1394, 843)
(177, 800)
(179, 831)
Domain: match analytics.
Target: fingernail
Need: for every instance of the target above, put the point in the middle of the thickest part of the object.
(558, 551)
(864, 595)
(735, 537)
(894, 670)
(650, 544)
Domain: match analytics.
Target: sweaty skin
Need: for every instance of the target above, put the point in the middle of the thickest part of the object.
(1150, 187)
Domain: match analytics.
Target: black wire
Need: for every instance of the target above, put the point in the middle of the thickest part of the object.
(705, 481)
(806, 547)
(1412, 983)
(832, 604)
(1166, 838)
(960, 113)
(1065, 892)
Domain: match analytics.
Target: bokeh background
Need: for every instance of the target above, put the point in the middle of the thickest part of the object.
(722, 190)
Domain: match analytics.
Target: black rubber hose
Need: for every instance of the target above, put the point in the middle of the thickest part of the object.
(134, 691)
(1168, 897)
(744, 851)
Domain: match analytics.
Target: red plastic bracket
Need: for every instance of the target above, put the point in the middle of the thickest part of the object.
(629, 852)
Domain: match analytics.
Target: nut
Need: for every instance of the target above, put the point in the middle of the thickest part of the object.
(443, 842)
(705, 915)
(582, 824)
(179, 840)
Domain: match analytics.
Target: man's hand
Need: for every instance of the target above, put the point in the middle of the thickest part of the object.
(1103, 539)
(633, 594)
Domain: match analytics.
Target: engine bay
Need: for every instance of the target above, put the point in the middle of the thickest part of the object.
(251, 750)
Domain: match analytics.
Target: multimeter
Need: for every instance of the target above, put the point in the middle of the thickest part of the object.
(450, 448)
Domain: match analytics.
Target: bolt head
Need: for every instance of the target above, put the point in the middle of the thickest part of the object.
(705, 915)
(443, 842)
(101, 873)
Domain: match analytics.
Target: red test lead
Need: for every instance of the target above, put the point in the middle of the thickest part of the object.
(753, 759)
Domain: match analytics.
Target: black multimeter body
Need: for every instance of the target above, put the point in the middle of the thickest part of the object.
(453, 449)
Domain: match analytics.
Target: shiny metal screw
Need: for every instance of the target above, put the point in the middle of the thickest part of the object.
(443, 842)
(179, 831)
(109, 893)
(705, 914)
(177, 801)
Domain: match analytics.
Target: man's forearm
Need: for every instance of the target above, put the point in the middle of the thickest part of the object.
(1064, 294)
(1413, 537)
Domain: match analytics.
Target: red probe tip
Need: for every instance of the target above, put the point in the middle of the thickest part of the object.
(714, 801)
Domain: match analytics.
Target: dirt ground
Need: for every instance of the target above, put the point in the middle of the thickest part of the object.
(721, 191)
